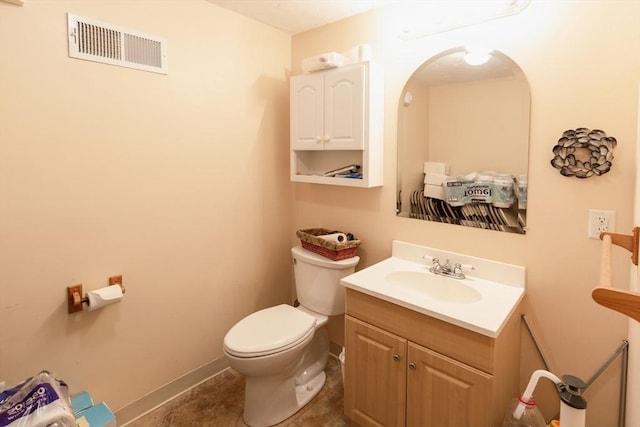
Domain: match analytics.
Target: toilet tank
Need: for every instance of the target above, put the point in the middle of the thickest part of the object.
(318, 280)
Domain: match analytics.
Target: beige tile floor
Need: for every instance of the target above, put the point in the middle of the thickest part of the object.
(218, 403)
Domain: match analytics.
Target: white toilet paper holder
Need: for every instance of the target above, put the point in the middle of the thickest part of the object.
(75, 297)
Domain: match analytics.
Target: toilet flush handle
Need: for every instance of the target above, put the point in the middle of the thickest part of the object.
(294, 261)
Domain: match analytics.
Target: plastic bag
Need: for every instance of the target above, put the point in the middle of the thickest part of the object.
(40, 401)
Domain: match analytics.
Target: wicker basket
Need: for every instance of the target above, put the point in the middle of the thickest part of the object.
(311, 241)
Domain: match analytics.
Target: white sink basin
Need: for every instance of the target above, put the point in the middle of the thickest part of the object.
(481, 302)
(438, 287)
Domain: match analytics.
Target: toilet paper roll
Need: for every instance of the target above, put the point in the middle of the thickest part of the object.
(434, 191)
(433, 178)
(104, 296)
(436, 167)
(334, 237)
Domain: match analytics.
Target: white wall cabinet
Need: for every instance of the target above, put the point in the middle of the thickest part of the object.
(337, 120)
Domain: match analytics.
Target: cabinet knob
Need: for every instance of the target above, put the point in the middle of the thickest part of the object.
(396, 357)
(318, 139)
(327, 138)
(412, 366)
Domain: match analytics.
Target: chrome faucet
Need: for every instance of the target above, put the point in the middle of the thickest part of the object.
(446, 269)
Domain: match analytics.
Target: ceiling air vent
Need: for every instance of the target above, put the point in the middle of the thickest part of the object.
(110, 44)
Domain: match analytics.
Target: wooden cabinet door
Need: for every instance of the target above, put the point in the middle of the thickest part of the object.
(444, 392)
(307, 112)
(344, 108)
(375, 375)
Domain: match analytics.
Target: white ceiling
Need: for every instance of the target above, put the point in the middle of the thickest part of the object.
(296, 16)
(422, 17)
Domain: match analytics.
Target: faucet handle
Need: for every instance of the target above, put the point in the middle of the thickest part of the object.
(436, 268)
(459, 268)
(434, 260)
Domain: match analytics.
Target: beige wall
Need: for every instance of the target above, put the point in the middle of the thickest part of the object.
(178, 182)
(581, 73)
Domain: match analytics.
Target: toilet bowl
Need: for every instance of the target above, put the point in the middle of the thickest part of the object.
(282, 350)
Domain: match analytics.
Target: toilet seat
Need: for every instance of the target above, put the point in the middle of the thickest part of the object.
(269, 331)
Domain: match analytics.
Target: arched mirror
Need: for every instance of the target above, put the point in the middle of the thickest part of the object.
(463, 142)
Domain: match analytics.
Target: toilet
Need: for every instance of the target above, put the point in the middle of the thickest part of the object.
(282, 350)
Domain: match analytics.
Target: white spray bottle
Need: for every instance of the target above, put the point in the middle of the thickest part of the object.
(573, 407)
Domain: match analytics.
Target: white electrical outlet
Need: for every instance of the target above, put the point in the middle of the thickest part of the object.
(601, 221)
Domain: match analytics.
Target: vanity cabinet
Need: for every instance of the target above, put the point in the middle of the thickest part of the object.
(337, 120)
(403, 368)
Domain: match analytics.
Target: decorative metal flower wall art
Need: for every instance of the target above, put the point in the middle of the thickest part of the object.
(583, 152)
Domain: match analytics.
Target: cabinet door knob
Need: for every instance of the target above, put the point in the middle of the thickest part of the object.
(318, 139)
(412, 365)
(396, 357)
(327, 138)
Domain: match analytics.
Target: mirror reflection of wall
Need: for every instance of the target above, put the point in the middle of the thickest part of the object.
(475, 119)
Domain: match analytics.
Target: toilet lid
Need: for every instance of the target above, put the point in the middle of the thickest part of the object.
(268, 331)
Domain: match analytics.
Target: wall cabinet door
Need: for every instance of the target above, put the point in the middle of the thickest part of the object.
(328, 110)
(307, 112)
(375, 375)
(444, 392)
(344, 108)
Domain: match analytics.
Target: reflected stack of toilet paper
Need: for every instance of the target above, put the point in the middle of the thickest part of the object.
(435, 173)
(490, 187)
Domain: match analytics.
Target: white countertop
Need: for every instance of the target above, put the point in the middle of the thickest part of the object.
(485, 304)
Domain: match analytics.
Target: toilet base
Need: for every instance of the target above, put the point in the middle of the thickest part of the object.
(306, 392)
(282, 400)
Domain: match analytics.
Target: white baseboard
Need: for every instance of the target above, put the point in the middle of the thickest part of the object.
(167, 392)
